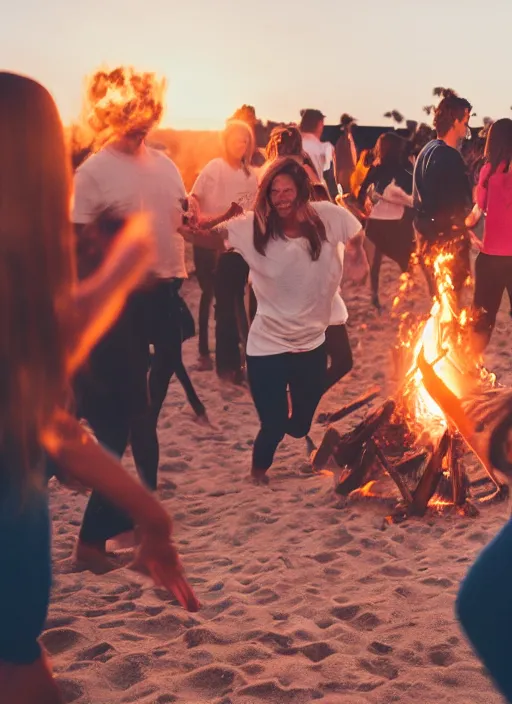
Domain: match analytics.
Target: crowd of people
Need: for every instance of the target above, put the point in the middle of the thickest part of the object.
(92, 319)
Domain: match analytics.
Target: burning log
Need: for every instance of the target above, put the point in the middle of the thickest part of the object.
(350, 446)
(430, 478)
(358, 476)
(395, 476)
(412, 464)
(344, 411)
(348, 449)
(453, 409)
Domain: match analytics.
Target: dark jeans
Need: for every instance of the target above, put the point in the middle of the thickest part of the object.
(459, 245)
(121, 402)
(393, 239)
(493, 275)
(112, 396)
(205, 261)
(231, 324)
(339, 353)
(270, 377)
(484, 608)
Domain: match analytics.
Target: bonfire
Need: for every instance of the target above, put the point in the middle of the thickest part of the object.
(418, 438)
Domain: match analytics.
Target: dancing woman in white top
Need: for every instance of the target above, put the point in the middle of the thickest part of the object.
(292, 248)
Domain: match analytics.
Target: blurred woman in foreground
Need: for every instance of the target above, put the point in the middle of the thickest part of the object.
(291, 246)
(47, 327)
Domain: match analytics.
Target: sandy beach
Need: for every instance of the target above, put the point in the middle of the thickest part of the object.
(304, 599)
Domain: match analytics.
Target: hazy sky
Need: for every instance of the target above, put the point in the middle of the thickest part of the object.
(363, 57)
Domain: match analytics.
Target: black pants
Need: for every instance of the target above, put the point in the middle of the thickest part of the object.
(493, 275)
(121, 402)
(459, 246)
(205, 261)
(112, 396)
(270, 377)
(393, 239)
(231, 324)
(339, 353)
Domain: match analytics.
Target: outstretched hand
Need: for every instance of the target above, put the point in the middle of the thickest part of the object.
(158, 557)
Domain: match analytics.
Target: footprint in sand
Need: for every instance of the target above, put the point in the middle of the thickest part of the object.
(247, 654)
(112, 624)
(437, 582)
(325, 557)
(380, 648)
(124, 672)
(395, 571)
(214, 680)
(95, 651)
(276, 641)
(346, 613)
(202, 636)
(367, 621)
(380, 668)
(272, 692)
(442, 655)
(253, 669)
(316, 652)
(58, 640)
(166, 626)
(71, 690)
(266, 596)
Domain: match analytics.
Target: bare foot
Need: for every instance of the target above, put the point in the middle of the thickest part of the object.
(204, 363)
(94, 559)
(259, 477)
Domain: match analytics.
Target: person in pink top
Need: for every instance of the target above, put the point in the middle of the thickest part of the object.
(493, 267)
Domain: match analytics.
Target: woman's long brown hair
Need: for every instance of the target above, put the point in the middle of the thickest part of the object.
(36, 272)
(267, 225)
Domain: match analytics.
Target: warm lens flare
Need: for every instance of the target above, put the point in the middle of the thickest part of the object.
(122, 101)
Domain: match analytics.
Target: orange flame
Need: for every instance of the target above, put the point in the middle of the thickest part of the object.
(444, 339)
(121, 101)
(365, 490)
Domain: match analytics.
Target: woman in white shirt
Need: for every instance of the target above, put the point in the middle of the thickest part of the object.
(287, 141)
(223, 182)
(292, 248)
(387, 193)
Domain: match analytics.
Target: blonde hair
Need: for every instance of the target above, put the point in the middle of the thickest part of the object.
(237, 126)
(36, 272)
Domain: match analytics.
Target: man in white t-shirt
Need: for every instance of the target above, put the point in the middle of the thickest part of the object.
(123, 178)
(320, 153)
